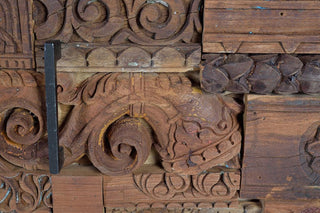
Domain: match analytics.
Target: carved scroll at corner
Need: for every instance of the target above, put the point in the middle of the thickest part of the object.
(22, 123)
(113, 21)
(25, 192)
(310, 153)
(191, 131)
(282, 74)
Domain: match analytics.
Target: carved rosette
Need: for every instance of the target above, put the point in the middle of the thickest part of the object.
(25, 192)
(116, 118)
(310, 153)
(22, 123)
(118, 21)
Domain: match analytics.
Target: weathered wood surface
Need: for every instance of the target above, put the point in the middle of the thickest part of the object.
(281, 147)
(16, 37)
(258, 26)
(77, 193)
(297, 206)
(263, 74)
(84, 58)
(22, 191)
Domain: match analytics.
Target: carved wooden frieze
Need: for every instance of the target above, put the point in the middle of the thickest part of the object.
(82, 57)
(25, 192)
(282, 74)
(258, 26)
(115, 119)
(143, 22)
(16, 38)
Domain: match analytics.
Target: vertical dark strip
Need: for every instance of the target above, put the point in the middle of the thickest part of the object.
(52, 53)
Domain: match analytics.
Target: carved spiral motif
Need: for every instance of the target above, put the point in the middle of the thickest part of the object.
(124, 147)
(23, 127)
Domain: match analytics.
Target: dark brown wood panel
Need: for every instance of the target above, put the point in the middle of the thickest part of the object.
(241, 26)
(281, 158)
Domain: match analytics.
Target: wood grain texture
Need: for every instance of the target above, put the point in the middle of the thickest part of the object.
(77, 194)
(16, 36)
(263, 74)
(259, 26)
(280, 149)
(297, 206)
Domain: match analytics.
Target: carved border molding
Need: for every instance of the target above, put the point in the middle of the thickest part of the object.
(115, 118)
(25, 192)
(282, 74)
(114, 22)
(83, 57)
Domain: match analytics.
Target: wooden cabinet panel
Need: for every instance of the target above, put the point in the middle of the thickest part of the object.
(281, 157)
(241, 26)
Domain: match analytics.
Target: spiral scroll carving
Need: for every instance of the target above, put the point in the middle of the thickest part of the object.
(114, 21)
(126, 113)
(121, 149)
(22, 123)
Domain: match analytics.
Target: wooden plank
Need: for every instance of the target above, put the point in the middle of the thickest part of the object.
(261, 26)
(75, 192)
(306, 206)
(281, 134)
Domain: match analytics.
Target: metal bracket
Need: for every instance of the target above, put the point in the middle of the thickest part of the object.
(52, 53)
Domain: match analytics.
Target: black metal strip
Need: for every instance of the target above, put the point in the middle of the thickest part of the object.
(52, 53)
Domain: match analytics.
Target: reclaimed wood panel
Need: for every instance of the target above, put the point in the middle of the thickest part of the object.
(301, 206)
(77, 190)
(281, 147)
(258, 26)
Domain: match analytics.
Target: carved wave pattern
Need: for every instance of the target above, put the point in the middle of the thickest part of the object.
(146, 22)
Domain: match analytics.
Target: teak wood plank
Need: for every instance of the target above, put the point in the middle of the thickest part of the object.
(280, 147)
(77, 193)
(242, 26)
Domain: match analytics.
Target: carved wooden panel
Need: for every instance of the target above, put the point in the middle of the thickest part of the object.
(93, 58)
(116, 22)
(16, 38)
(263, 74)
(281, 150)
(25, 192)
(258, 26)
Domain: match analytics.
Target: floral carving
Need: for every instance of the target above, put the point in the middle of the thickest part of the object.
(139, 21)
(189, 136)
(25, 192)
(170, 186)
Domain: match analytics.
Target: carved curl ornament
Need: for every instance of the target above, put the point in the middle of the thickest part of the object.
(145, 22)
(115, 119)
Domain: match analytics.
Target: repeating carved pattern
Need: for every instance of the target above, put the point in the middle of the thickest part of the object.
(310, 153)
(16, 47)
(168, 186)
(138, 21)
(25, 192)
(125, 58)
(283, 74)
(22, 122)
(187, 133)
